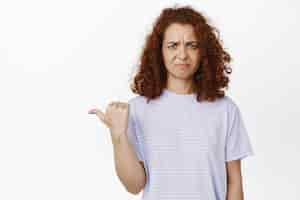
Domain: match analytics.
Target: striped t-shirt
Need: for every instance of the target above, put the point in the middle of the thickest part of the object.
(184, 144)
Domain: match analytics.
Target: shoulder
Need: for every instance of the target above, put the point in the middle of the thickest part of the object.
(136, 100)
(137, 103)
(229, 104)
(136, 106)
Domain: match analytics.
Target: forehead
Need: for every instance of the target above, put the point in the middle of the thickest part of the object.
(178, 31)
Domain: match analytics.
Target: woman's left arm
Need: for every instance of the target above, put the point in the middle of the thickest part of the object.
(234, 180)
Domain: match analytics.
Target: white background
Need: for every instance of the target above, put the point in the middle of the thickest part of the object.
(58, 59)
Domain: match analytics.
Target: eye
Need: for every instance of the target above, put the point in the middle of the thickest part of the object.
(193, 46)
(172, 46)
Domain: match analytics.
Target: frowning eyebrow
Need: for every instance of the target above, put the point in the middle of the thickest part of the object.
(189, 42)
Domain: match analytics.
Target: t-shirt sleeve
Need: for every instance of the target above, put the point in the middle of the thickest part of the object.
(238, 145)
(132, 132)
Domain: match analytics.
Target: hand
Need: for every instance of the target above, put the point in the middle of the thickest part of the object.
(115, 118)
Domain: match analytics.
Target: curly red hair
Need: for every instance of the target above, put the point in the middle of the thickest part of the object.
(151, 77)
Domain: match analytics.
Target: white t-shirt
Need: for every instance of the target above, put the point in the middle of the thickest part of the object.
(185, 144)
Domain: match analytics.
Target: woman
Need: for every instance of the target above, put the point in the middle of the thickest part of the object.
(181, 137)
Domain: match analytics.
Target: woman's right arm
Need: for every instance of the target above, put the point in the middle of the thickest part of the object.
(128, 167)
(129, 170)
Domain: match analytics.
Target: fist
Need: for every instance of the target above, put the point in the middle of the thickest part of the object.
(115, 117)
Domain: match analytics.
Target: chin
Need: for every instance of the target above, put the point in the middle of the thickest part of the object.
(183, 76)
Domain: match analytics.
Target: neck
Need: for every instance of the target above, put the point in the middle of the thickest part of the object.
(181, 86)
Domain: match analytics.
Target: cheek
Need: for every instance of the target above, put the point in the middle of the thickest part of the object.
(168, 57)
(195, 55)
(195, 58)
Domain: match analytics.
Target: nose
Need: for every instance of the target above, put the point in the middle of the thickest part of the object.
(182, 53)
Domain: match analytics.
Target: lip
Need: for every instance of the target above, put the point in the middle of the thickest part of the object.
(182, 65)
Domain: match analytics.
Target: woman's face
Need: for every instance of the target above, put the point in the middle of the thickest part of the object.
(180, 46)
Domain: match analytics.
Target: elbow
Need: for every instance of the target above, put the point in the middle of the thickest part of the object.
(137, 188)
(134, 190)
